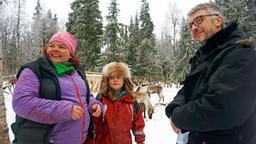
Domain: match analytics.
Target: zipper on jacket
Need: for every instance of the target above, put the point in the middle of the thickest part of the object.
(81, 104)
(130, 108)
(117, 125)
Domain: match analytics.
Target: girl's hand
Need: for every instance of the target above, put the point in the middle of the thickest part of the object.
(77, 112)
(96, 110)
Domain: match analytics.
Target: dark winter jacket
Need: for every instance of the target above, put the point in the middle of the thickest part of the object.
(217, 103)
(43, 105)
(117, 121)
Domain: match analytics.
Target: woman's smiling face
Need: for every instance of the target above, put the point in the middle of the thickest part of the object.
(58, 52)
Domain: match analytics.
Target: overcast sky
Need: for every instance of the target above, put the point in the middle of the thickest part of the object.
(128, 8)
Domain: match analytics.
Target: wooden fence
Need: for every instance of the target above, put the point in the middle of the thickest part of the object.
(94, 80)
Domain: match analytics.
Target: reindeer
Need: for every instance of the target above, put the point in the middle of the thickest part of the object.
(150, 88)
(9, 86)
(146, 105)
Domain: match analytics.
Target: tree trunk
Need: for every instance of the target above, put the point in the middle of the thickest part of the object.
(4, 135)
(18, 59)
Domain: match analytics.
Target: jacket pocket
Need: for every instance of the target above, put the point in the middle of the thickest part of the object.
(32, 133)
(200, 138)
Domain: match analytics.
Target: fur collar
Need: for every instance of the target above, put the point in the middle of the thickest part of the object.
(247, 42)
(221, 37)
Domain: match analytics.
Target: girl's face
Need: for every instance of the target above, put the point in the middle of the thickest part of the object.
(58, 52)
(116, 82)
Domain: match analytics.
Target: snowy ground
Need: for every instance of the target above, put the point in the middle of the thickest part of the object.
(157, 129)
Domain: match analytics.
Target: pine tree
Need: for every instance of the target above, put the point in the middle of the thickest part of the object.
(123, 41)
(8, 40)
(37, 39)
(43, 27)
(133, 43)
(85, 22)
(165, 55)
(2, 2)
(167, 45)
(112, 39)
(187, 48)
(250, 16)
(240, 11)
(49, 26)
(146, 49)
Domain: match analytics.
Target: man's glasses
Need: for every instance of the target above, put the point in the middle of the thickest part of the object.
(199, 19)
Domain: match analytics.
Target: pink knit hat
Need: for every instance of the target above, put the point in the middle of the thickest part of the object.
(67, 39)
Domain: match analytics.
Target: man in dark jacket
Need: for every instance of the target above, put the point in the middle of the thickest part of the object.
(217, 103)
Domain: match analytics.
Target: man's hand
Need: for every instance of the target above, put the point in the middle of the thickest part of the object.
(174, 128)
(96, 110)
(77, 112)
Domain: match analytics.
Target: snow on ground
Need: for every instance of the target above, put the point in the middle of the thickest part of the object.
(9, 112)
(158, 129)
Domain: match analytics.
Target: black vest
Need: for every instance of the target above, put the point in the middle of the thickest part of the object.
(29, 132)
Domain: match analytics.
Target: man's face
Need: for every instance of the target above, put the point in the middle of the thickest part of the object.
(204, 25)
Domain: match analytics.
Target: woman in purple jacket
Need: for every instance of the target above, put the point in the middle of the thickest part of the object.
(51, 99)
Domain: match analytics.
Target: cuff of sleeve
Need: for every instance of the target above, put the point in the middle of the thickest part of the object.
(174, 120)
(90, 106)
(140, 139)
(68, 110)
(169, 109)
(96, 102)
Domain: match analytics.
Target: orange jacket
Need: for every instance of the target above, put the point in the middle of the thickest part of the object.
(116, 122)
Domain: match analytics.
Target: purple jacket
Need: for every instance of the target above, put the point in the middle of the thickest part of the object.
(27, 104)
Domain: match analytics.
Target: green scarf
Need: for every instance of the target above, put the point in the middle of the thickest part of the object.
(63, 68)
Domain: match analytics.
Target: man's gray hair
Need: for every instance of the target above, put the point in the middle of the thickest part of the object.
(211, 7)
